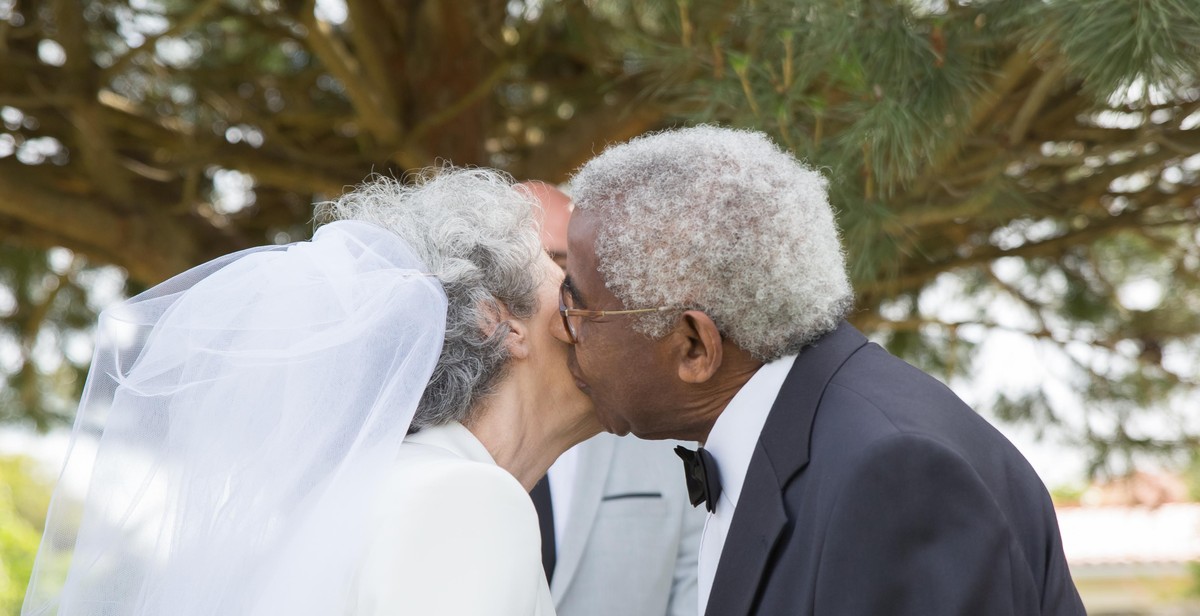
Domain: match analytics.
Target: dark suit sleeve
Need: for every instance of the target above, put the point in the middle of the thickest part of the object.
(914, 531)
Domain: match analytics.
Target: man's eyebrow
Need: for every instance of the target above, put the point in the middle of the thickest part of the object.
(570, 287)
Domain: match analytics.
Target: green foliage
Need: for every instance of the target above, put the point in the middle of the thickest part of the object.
(960, 134)
(49, 309)
(996, 165)
(24, 498)
(1083, 300)
(28, 489)
(1112, 44)
(1067, 495)
(1030, 408)
(1191, 475)
(871, 228)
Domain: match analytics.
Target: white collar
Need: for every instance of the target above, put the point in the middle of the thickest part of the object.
(455, 438)
(735, 433)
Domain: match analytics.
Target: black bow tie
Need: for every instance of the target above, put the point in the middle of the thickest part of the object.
(703, 479)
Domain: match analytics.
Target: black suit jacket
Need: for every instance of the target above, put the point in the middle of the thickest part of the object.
(874, 490)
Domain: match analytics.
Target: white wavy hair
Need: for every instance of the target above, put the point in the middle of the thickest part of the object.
(479, 236)
(723, 221)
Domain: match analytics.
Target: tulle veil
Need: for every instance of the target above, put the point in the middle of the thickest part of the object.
(235, 424)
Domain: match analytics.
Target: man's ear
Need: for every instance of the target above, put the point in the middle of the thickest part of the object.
(517, 339)
(699, 351)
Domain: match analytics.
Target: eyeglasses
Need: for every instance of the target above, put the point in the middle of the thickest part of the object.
(567, 313)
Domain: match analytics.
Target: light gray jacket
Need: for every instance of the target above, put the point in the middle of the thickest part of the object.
(631, 543)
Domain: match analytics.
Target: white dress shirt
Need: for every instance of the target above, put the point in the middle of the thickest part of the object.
(562, 476)
(731, 443)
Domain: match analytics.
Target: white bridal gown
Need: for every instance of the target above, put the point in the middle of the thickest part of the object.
(456, 535)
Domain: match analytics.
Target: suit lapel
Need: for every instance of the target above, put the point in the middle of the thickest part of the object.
(595, 458)
(757, 524)
(782, 452)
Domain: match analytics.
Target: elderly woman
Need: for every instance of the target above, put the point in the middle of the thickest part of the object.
(346, 425)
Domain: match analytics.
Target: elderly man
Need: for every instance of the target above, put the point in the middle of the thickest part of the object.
(618, 533)
(705, 296)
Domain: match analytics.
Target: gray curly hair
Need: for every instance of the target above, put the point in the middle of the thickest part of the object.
(479, 235)
(723, 221)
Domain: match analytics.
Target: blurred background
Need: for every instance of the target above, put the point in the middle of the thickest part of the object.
(1017, 181)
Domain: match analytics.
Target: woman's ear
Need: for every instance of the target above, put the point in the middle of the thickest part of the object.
(517, 340)
(699, 349)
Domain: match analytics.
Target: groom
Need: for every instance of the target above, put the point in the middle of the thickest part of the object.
(704, 300)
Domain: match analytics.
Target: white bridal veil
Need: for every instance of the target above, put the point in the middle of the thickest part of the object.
(233, 428)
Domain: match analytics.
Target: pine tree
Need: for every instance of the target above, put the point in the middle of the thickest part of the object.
(1039, 155)
(997, 165)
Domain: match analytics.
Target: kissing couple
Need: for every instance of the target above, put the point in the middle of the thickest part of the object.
(352, 424)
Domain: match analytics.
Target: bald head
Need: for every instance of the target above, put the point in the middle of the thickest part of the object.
(556, 213)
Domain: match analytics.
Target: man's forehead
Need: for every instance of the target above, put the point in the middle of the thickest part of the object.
(582, 225)
(582, 263)
(581, 232)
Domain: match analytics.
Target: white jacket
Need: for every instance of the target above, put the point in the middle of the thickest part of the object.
(456, 535)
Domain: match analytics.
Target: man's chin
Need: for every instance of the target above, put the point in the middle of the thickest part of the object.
(623, 428)
(618, 430)
(620, 426)
(653, 432)
(613, 424)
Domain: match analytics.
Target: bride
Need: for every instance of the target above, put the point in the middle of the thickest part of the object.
(348, 425)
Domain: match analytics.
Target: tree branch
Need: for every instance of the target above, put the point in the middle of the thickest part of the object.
(93, 143)
(1081, 237)
(1010, 75)
(343, 66)
(1042, 88)
(369, 33)
(151, 248)
(482, 89)
(185, 23)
